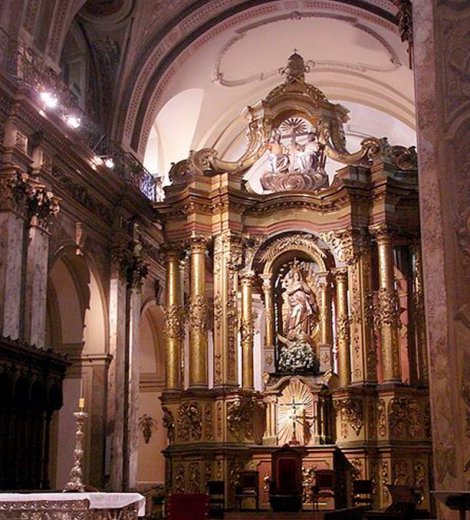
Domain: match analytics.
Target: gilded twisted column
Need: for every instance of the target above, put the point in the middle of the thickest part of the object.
(269, 306)
(342, 326)
(247, 330)
(388, 308)
(198, 377)
(174, 322)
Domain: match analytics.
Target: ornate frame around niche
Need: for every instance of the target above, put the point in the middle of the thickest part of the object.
(275, 253)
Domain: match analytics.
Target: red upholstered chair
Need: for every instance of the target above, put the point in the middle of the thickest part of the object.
(182, 506)
(285, 493)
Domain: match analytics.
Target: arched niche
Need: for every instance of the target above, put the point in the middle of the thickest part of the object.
(294, 268)
(152, 438)
(77, 325)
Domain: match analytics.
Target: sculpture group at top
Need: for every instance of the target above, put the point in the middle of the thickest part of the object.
(298, 128)
(296, 158)
(298, 164)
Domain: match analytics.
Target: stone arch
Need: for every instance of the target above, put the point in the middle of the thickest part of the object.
(150, 465)
(77, 323)
(282, 247)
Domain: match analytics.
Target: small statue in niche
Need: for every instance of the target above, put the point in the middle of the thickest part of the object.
(302, 310)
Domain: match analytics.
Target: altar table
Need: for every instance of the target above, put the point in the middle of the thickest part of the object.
(71, 506)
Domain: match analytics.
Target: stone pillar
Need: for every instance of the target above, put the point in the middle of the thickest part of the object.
(247, 330)
(12, 223)
(388, 308)
(174, 323)
(440, 31)
(131, 432)
(342, 327)
(116, 376)
(198, 376)
(123, 389)
(35, 293)
(42, 206)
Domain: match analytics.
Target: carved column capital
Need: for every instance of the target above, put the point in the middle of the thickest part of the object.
(246, 277)
(340, 274)
(21, 193)
(198, 243)
(382, 233)
(347, 244)
(128, 262)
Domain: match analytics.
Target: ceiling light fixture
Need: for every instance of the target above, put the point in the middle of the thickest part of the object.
(109, 163)
(49, 99)
(73, 121)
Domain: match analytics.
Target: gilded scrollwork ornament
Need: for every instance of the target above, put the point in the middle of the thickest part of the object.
(385, 478)
(419, 472)
(174, 320)
(351, 415)
(240, 417)
(189, 423)
(194, 479)
(404, 417)
(303, 241)
(198, 313)
(382, 418)
(401, 473)
(169, 424)
(208, 421)
(389, 307)
(347, 245)
(343, 330)
(180, 478)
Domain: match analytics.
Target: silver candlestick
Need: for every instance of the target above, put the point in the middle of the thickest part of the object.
(75, 480)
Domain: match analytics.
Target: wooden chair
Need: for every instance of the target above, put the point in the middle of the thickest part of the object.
(248, 487)
(362, 493)
(182, 506)
(216, 491)
(285, 491)
(324, 487)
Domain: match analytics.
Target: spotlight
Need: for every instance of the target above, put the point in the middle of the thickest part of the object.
(49, 99)
(73, 121)
(96, 161)
(109, 163)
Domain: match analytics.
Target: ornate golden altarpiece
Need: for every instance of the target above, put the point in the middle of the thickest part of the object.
(323, 271)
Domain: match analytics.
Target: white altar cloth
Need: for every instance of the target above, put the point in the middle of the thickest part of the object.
(97, 500)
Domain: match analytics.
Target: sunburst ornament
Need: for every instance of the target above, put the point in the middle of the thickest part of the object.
(295, 414)
(294, 126)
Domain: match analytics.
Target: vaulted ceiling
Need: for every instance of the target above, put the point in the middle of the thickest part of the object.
(176, 75)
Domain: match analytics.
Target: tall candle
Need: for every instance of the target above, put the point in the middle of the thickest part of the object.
(81, 403)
